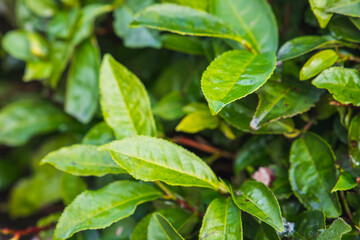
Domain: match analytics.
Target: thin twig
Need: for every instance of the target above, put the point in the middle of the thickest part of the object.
(205, 147)
(17, 234)
(346, 206)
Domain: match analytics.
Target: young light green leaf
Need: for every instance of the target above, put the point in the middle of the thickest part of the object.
(124, 101)
(197, 121)
(312, 174)
(83, 87)
(99, 209)
(345, 182)
(42, 8)
(185, 20)
(71, 186)
(342, 83)
(335, 231)
(152, 159)
(234, 75)
(199, 4)
(319, 9)
(83, 160)
(349, 8)
(239, 115)
(282, 100)
(258, 200)
(20, 120)
(161, 229)
(308, 223)
(222, 220)
(99, 134)
(37, 70)
(318, 63)
(301, 45)
(253, 20)
(354, 140)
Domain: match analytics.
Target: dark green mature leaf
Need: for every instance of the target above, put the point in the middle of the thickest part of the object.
(82, 87)
(20, 120)
(342, 28)
(253, 20)
(308, 224)
(301, 45)
(335, 231)
(197, 121)
(345, 182)
(134, 37)
(265, 232)
(282, 100)
(342, 83)
(71, 186)
(185, 44)
(83, 160)
(312, 174)
(356, 22)
(185, 20)
(162, 161)
(318, 63)
(99, 209)
(239, 114)
(319, 8)
(349, 8)
(354, 140)
(161, 229)
(234, 75)
(124, 101)
(170, 106)
(99, 134)
(222, 220)
(258, 200)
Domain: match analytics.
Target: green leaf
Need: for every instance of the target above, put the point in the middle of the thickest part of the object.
(42, 8)
(356, 22)
(345, 182)
(170, 106)
(308, 223)
(99, 209)
(99, 134)
(342, 28)
(197, 121)
(240, 113)
(301, 45)
(185, 44)
(312, 174)
(71, 186)
(265, 232)
(354, 140)
(317, 63)
(20, 120)
(258, 200)
(253, 20)
(37, 70)
(319, 8)
(134, 37)
(198, 4)
(349, 8)
(82, 87)
(342, 83)
(83, 160)
(63, 24)
(335, 231)
(222, 220)
(163, 161)
(31, 194)
(161, 229)
(124, 101)
(282, 100)
(234, 75)
(186, 21)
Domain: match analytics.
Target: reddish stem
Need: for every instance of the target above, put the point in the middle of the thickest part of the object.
(201, 146)
(184, 204)
(23, 232)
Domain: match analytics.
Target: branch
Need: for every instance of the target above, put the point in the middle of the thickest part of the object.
(17, 234)
(202, 146)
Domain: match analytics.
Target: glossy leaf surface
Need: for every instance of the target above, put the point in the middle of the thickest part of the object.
(318, 63)
(312, 174)
(335, 231)
(222, 220)
(308, 223)
(234, 75)
(163, 161)
(99, 209)
(121, 91)
(83, 160)
(345, 182)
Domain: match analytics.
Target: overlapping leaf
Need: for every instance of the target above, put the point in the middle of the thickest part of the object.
(318, 63)
(161, 229)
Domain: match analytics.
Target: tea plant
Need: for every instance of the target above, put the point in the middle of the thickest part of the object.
(180, 119)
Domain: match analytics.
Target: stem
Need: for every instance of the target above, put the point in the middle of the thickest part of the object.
(169, 194)
(17, 234)
(346, 206)
(202, 146)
